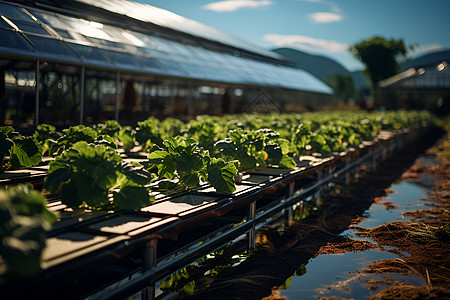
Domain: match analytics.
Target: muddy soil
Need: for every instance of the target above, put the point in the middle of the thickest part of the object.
(422, 244)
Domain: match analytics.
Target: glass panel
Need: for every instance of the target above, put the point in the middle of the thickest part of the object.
(32, 27)
(162, 45)
(172, 68)
(63, 33)
(10, 39)
(103, 42)
(121, 58)
(88, 53)
(156, 53)
(18, 103)
(59, 102)
(51, 20)
(13, 12)
(135, 39)
(47, 45)
(100, 99)
(149, 63)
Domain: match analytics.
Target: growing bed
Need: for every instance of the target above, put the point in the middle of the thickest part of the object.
(88, 250)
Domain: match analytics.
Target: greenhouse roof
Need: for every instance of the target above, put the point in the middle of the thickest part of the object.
(165, 18)
(40, 34)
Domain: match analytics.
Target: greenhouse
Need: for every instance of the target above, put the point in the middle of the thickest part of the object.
(92, 68)
(427, 87)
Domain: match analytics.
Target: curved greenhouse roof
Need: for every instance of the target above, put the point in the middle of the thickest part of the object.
(60, 33)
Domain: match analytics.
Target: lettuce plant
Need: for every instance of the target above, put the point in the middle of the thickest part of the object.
(78, 133)
(182, 159)
(86, 174)
(122, 136)
(17, 151)
(24, 220)
(45, 135)
(255, 148)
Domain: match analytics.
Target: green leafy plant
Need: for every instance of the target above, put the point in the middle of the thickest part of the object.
(122, 136)
(147, 133)
(205, 130)
(24, 221)
(182, 159)
(255, 148)
(86, 174)
(78, 133)
(17, 151)
(45, 135)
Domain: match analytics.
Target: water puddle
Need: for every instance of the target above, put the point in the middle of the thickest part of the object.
(338, 275)
(341, 275)
(402, 196)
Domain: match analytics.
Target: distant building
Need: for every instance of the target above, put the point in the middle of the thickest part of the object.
(426, 87)
(67, 62)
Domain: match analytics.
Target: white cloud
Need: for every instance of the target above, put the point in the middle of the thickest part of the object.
(325, 17)
(233, 5)
(305, 43)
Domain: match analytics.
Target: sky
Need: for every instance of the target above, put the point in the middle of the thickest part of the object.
(323, 27)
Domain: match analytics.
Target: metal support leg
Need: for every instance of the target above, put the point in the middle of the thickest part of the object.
(347, 174)
(384, 155)
(289, 213)
(36, 92)
(251, 232)
(148, 262)
(317, 196)
(375, 160)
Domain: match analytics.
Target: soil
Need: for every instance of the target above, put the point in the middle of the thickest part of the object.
(421, 244)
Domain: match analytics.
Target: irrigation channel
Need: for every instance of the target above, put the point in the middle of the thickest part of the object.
(114, 255)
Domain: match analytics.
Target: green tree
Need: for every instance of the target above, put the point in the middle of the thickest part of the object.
(380, 56)
(342, 85)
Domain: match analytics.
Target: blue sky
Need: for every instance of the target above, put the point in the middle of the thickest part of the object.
(321, 26)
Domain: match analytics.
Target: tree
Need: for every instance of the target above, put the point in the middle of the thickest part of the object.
(380, 56)
(343, 86)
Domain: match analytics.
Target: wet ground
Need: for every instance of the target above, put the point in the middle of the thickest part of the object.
(379, 238)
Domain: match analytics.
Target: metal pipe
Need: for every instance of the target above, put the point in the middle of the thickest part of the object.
(251, 232)
(36, 89)
(83, 74)
(117, 97)
(149, 262)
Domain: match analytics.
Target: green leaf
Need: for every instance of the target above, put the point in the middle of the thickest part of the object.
(132, 197)
(103, 174)
(186, 163)
(69, 195)
(136, 173)
(168, 184)
(24, 219)
(26, 152)
(221, 175)
(287, 162)
(92, 195)
(190, 180)
(167, 168)
(157, 156)
(275, 154)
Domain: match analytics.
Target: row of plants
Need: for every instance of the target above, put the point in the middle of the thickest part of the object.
(89, 172)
